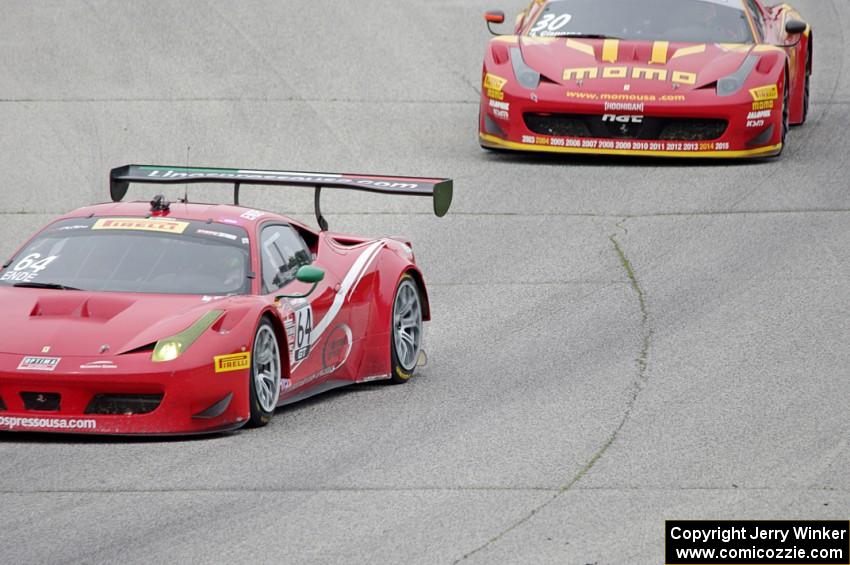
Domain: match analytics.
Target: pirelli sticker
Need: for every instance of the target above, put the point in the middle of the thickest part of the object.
(493, 85)
(763, 93)
(234, 362)
(141, 224)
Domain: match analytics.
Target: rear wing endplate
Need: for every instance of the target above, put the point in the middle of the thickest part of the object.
(439, 190)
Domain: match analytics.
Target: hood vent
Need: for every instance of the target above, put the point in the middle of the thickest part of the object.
(98, 308)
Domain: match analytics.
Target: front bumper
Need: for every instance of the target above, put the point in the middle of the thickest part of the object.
(750, 131)
(184, 400)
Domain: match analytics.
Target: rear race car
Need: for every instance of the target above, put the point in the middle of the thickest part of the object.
(675, 78)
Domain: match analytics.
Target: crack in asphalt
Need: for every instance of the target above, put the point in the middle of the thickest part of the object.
(641, 378)
(643, 358)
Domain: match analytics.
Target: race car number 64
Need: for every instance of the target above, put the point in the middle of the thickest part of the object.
(31, 263)
(303, 329)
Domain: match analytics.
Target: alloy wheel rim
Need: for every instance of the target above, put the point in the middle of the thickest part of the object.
(407, 325)
(266, 368)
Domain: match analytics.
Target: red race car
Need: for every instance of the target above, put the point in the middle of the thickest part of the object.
(671, 78)
(179, 318)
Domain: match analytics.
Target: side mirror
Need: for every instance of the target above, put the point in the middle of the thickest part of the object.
(306, 274)
(793, 27)
(310, 274)
(494, 17)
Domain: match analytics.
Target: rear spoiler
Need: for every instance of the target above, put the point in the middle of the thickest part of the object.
(440, 190)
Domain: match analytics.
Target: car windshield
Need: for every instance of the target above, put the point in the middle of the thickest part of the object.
(146, 255)
(699, 21)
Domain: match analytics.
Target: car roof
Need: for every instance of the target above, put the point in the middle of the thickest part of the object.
(242, 216)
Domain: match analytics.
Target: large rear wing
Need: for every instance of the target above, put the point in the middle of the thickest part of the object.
(439, 190)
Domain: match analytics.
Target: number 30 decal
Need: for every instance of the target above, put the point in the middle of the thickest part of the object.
(551, 23)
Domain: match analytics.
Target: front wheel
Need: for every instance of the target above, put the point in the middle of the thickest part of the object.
(786, 108)
(807, 88)
(265, 375)
(786, 114)
(406, 330)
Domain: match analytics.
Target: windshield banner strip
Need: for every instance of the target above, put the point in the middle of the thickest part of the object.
(141, 224)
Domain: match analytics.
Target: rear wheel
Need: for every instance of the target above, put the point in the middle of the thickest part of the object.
(406, 330)
(265, 375)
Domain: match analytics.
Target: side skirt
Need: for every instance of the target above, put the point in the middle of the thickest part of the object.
(313, 391)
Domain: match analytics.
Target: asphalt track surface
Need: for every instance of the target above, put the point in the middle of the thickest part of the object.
(615, 342)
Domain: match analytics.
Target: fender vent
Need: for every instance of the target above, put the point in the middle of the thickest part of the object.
(124, 404)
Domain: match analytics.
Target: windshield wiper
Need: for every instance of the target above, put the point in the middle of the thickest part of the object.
(55, 286)
(584, 35)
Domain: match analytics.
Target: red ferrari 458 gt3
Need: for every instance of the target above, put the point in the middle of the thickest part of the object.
(180, 318)
(670, 78)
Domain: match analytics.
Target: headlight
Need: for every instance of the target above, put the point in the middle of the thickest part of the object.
(167, 350)
(171, 348)
(525, 75)
(729, 85)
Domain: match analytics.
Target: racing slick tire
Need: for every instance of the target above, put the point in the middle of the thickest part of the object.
(786, 113)
(807, 88)
(264, 379)
(406, 330)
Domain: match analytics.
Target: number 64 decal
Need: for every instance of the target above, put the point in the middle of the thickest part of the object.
(34, 262)
(303, 329)
(28, 268)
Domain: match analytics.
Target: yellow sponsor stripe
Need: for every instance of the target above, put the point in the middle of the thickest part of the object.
(659, 53)
(610, 50)
(761, 151)
(534, 40)
(735, 47)
(579, 46)
(685, 51)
